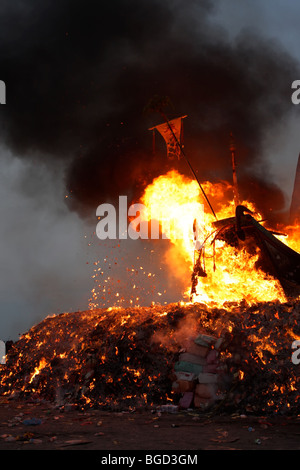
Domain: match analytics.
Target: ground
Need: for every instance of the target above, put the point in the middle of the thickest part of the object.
(140, 430)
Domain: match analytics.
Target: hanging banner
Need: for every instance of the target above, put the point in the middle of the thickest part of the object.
(171, 131)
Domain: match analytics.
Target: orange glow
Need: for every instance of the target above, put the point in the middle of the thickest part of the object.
(176, 201)
(37, 370)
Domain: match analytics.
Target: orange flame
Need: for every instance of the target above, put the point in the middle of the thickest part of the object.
(176, 201)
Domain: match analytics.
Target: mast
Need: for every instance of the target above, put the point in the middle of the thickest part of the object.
(178, 143)
(157, 104)
(232, 149)
(295, 202)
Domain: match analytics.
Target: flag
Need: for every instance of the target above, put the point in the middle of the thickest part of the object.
(171, 131)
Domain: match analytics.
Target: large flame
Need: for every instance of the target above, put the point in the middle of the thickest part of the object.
(176, 201)
(116, 357)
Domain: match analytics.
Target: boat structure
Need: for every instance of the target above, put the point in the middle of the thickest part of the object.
(242, 231)
(275, 258)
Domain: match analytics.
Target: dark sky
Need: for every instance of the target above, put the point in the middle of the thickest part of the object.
(79, 75)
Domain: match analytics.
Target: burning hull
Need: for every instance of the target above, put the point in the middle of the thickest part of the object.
(275, 258)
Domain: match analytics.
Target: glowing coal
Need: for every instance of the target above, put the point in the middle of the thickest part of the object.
(126, 358)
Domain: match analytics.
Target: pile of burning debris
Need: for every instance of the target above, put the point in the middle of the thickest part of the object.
(231, 359)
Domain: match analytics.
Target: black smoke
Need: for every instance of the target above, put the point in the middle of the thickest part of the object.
(79, 75)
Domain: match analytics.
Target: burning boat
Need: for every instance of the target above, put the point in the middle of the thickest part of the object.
(187, 352)
(241, 231)
(275, 258)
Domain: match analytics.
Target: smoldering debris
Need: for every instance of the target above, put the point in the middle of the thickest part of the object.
(231, 359)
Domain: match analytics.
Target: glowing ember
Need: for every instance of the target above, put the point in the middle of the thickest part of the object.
(125, 358)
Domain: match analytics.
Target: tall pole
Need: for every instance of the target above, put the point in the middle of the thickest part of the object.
(186, 159)
(234, 177)
(295, 202)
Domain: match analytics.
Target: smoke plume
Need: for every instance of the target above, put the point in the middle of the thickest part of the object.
(79, 75)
